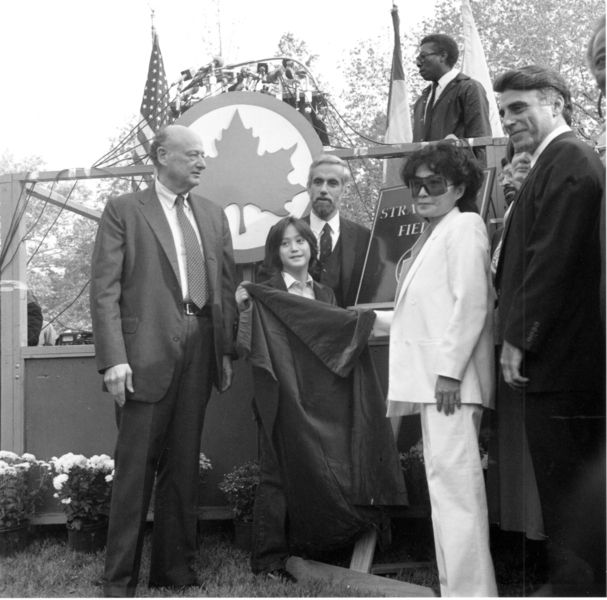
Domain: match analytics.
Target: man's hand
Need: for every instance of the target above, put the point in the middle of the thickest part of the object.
(511, 360)
(116, 379)
(227, 373)
(447, 394)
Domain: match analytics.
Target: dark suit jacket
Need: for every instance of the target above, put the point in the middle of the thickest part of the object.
(136, 300)
(461, 109)
(354, 240)
(548, 273)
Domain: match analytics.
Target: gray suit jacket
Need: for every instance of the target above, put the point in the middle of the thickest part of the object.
(136, 300)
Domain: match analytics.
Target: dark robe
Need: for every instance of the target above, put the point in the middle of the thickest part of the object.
(320, 402)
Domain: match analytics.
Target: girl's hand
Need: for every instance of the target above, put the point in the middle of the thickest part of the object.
(447, 394)
(243, 300)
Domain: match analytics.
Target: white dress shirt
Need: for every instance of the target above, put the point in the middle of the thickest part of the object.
(298, 288)
(553, 134)
(444, 81)
(167, 201)
(316, 225)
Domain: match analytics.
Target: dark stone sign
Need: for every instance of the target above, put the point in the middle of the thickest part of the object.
(395, 229)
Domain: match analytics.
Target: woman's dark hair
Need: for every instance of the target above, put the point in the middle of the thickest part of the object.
(453, 162)
(272, 263)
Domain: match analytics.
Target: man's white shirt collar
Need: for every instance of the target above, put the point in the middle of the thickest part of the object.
(553, 134)
(166, 196)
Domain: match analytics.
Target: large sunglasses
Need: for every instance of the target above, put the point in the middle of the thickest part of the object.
(435, 185)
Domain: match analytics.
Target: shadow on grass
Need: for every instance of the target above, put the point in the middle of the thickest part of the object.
(50, 569)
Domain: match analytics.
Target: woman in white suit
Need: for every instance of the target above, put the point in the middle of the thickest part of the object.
(441, 357)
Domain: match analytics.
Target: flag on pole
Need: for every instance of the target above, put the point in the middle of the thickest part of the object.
(398, 128)
(474, 65)
(154, 109)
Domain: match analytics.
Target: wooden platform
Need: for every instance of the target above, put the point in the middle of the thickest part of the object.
(310, 570)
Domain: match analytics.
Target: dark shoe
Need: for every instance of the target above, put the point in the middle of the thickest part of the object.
(281, 575)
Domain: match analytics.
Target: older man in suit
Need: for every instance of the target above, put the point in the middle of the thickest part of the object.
(454, 103)
(553, 358)
(163, 310)
(342, 244)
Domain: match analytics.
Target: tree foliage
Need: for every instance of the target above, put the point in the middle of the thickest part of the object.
(59, 244)
(552, 34)
(513, 32)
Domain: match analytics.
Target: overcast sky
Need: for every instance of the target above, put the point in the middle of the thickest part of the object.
(73, 70)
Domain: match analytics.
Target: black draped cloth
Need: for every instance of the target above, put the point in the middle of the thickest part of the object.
(320, 402)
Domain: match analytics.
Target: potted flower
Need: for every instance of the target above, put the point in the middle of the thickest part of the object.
(84, 486)
(23, 481)
(239, 487)
(414, 471)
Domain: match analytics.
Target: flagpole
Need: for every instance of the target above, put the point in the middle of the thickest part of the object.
(398, 119)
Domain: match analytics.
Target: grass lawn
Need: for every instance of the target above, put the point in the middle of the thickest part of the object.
(49, 569)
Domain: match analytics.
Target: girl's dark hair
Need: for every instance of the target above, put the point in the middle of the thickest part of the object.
(453, 162)
(272, 263)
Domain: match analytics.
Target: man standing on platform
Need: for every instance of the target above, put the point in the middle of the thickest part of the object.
(553, 358)
(163, 310)
(454, 103)
(342, 244)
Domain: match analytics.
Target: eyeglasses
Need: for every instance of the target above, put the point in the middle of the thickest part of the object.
(435, 185)
(421, 57)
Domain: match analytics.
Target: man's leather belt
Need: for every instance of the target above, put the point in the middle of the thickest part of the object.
(190, 309)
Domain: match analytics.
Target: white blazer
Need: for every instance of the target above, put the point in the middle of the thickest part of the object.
(442, 318)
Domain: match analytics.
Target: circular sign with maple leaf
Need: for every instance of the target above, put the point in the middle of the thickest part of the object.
(258, 152)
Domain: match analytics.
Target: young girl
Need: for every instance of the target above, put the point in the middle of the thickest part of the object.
(324, 443)
(290, 251)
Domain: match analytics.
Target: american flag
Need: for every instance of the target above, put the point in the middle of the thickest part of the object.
(155, 102)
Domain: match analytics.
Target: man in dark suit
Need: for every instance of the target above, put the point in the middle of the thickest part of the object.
(163, 311)
(342, 244)
(454, 103)
(552, 357)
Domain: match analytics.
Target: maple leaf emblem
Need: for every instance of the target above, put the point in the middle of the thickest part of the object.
(240, 175)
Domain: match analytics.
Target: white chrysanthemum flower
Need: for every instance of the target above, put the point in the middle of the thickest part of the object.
(204, 463)
(7, 469)
(109, 478)
(66, 501)
(28, 457)
(65, 463)
(60, 480)
(23, 466)
(101, 462)
(8, 456)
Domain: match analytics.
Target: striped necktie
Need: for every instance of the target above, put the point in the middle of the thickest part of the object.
(198, 286)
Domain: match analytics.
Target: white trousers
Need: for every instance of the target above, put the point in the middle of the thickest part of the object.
(459, 503)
